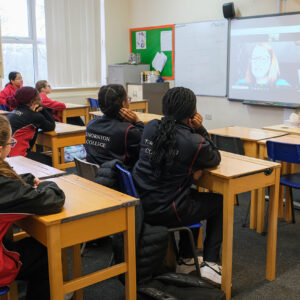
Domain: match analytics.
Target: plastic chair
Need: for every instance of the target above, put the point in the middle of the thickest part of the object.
(229, 144)
(93, 103)
(88, 171)
(233, 145)
(3, 291)
(85, 169)
(289, 153)
(9, 292)
(3, 107)
(128, 187)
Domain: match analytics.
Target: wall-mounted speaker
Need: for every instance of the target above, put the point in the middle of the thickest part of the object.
(228, 10)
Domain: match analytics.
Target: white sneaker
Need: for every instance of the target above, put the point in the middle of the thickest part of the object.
(187, 266)
(211, 272)
(68, 296)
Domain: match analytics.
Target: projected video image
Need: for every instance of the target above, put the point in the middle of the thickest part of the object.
(265, 61)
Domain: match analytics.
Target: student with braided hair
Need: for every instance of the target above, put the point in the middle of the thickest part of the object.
(22, 196)
(116, 135)
(172, 150)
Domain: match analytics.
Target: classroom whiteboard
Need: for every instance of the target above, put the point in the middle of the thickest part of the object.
(201, 57)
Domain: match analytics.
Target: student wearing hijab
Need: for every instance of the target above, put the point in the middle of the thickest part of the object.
(28, 116)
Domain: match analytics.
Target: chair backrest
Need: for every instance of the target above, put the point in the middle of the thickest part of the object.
(126, 182)
(284, 152)
(85, 169)
(229, 144)
(3, 107)
(93, 103)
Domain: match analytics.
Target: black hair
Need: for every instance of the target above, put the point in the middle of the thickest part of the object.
(12, 76)
(178, 103)
(110, 98)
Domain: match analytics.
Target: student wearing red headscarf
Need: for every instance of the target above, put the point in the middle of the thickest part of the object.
(27, 117)
(15, 82)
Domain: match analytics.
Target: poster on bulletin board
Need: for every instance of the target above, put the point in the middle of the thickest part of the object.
(155, 44)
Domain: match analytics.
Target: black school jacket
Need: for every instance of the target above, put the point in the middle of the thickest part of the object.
(17, 201)
(25, 124)
(108, 139)
(168, 194)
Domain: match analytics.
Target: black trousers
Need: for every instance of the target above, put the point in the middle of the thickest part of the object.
(34, 269)
(198, 207)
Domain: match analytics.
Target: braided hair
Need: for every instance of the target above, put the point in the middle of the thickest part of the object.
(5, 169)
(178, 103)
(110, 98)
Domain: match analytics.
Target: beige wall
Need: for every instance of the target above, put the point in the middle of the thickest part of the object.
(117, 30)
(159, 12)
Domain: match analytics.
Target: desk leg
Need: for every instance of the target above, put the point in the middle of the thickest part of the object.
(228, 214)
(77, 268)
(253, 209)
(55, 153)
(64, 116)
(272, 228)
(55, 263)
(129, 255)
(87, 116)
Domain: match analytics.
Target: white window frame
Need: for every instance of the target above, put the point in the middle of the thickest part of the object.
(31, 39)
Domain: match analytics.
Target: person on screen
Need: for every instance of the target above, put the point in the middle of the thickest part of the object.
(263, 69)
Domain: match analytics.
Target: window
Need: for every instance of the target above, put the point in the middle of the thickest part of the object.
(72, 55)
(23, 39)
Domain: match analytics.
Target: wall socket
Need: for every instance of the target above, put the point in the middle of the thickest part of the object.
(208, 117)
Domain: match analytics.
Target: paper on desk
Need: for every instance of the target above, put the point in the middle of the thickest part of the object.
(159, 61)
(166, 41)
(141, 40)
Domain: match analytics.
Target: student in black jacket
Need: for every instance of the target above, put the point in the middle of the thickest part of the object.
(171, 151)
(20, 197)
(117, 134)
(27, 117)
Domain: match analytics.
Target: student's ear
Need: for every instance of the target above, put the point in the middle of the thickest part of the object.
(125, 103)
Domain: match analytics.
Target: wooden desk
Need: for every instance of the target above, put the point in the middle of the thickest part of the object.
(4, 112)
(75, 110)
(63, 136)
(91, 211)
(144, 117)
(139, 104)
(283, 128)
(23, 165)
(238, 174)
(286, 168)
(250, 137)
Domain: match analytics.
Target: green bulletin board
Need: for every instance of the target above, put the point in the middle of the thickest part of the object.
(152, 46)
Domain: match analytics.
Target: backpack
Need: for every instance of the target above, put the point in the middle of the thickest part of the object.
(176, 286)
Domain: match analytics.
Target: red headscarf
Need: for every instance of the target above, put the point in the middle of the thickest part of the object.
(23, 96)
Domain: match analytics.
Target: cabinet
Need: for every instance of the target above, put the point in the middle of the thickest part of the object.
(153, 92)
(125, 73)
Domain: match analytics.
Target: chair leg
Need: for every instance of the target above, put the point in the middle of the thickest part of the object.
(292, 205)
(192, 244)
(244, 224)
